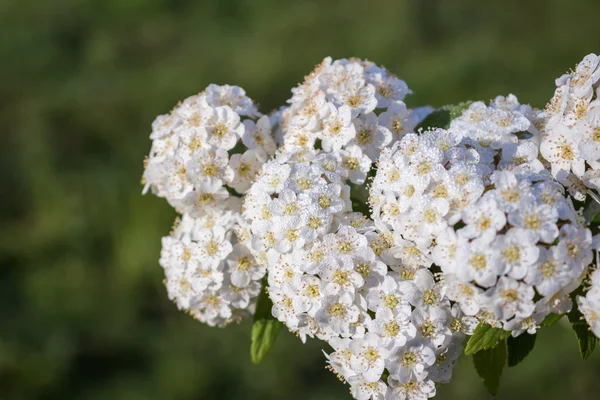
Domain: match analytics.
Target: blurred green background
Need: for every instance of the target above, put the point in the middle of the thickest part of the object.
(83, 313)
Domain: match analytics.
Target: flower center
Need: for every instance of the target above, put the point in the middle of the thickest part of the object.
(212, 247)
(324, 201)
(478, 261)
(220, 130)
(512, 254)
(364, 137)
(391, 301)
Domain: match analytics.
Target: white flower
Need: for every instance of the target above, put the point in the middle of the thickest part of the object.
(549, 274)
(338, 129)
(231, 96)
(517, 251)
(338, 312)
(214, 246)
(395, 329)
(387, 296)
(245, 167)
(411, 362)
(211, 307)
(480, 263)
(398, 119)
(210, 166)
(224, 128)
(389, 89)
(510, 298)
(243, 267)
(411, 390)
(483, 219)
(466, 294)
(259, 135)
(574, 247)
(340, 277)
(361, 389)
(356, 163)
(370, 136)
(432, 325)
(368, 356)
(560, 147)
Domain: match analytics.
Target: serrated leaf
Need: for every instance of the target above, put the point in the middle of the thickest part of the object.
(264, 328)
(489, 364)
(585, 338)
(485, 337)
(551, 319)
(440, 118)
(519, 347)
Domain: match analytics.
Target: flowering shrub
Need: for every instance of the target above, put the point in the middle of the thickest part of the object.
(401, 237)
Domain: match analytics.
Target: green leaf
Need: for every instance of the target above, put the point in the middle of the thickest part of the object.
(595, 223)
(440, 118)
(519, 347)
(264, 328)
(489, 364)
(596, 218)
(485, 337)
(551, 319)
(585, 338)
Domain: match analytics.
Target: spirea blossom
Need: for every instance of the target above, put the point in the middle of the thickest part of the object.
(207, 146)
(571, 135)
(388, 241)
(349, 106)
(507, 241)
(328, 278)
(209, 269)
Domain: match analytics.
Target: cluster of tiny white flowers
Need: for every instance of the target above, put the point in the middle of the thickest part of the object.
(205, 154)
(352, 108)
(467, 225)
(571, 137)
(392, 330)
(589, 305)
(207, 146)
(209, 268)
(475, 201)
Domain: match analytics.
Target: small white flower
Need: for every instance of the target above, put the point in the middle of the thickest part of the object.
(337, 128)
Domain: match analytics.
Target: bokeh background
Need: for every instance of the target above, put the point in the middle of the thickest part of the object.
(83, 313)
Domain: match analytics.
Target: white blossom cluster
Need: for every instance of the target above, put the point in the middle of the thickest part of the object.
(468, 224)
(209, 269)
(571, 138)
(392, 330)
(589, 305)
(205, 154)
(475, 202)
(206, 145)
(352, 108)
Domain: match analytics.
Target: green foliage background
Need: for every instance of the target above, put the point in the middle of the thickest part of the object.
(83, 313)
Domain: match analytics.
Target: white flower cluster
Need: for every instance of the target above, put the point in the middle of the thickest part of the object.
(208, 147)
(190, 163)
(571, 138)
(209, 269)
(393, 331)
(589, 305)
(475, 201)
(468, 224)
(352, 108)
